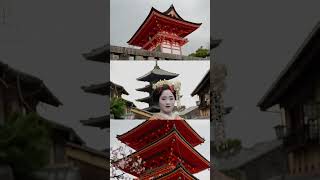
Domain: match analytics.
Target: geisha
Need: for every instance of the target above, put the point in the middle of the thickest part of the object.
(166, 93)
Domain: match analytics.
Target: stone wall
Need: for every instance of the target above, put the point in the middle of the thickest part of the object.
(125, 53)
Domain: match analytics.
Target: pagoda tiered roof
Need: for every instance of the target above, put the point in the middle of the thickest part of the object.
(100, 54)
(158, 22)
(171, 149)
(205, 81)
(157, 74)
(147, 88)
(145, 99)
(152, 77)
(179, 172)
(104, 88)
(101, 89)
(147, 131)
(169, 172)
(101, 122)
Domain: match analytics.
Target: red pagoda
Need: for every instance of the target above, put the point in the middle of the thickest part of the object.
(163, 31)
(167, 149)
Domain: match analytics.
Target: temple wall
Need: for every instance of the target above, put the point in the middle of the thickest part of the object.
(124, 53)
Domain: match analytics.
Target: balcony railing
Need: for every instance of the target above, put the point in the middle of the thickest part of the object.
(307, 134)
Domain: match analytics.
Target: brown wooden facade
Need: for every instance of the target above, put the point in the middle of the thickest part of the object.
(21, 93)
(203, 91)
(297, 92)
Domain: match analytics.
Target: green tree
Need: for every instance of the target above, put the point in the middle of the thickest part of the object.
(25, 144)
(201, 52)
(117, 107)
(229, 147)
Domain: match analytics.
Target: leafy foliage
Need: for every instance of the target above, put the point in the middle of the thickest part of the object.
(25, 144)
(229, 147)
(201, 52)
(117, 107)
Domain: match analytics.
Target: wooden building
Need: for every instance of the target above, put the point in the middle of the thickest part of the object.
(21, 93)
(163, 31)
(297, 93)
(117, 91)
(203, 91)
(190, 113)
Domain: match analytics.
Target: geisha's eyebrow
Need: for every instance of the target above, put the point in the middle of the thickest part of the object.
(167, 96)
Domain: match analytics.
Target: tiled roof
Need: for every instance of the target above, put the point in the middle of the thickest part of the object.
(31, 82)
(246, 155)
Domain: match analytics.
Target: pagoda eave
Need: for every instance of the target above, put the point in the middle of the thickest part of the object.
(146, 99)
(100, 54)
(133, 136)
(173, 146)
(169, 172)
(155, 78)
(179, 172)
(156, 75)
(101, 89)
(147, 88)
(154, 19)
(101, 122)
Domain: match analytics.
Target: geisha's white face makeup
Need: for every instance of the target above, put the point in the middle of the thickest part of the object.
(166, 102)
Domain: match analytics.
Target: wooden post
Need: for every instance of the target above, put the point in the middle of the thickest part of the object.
(1, 106)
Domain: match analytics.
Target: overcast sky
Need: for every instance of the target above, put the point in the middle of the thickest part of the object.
(134, 70)
(259, 39)
(202, 127)
(126, 16)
